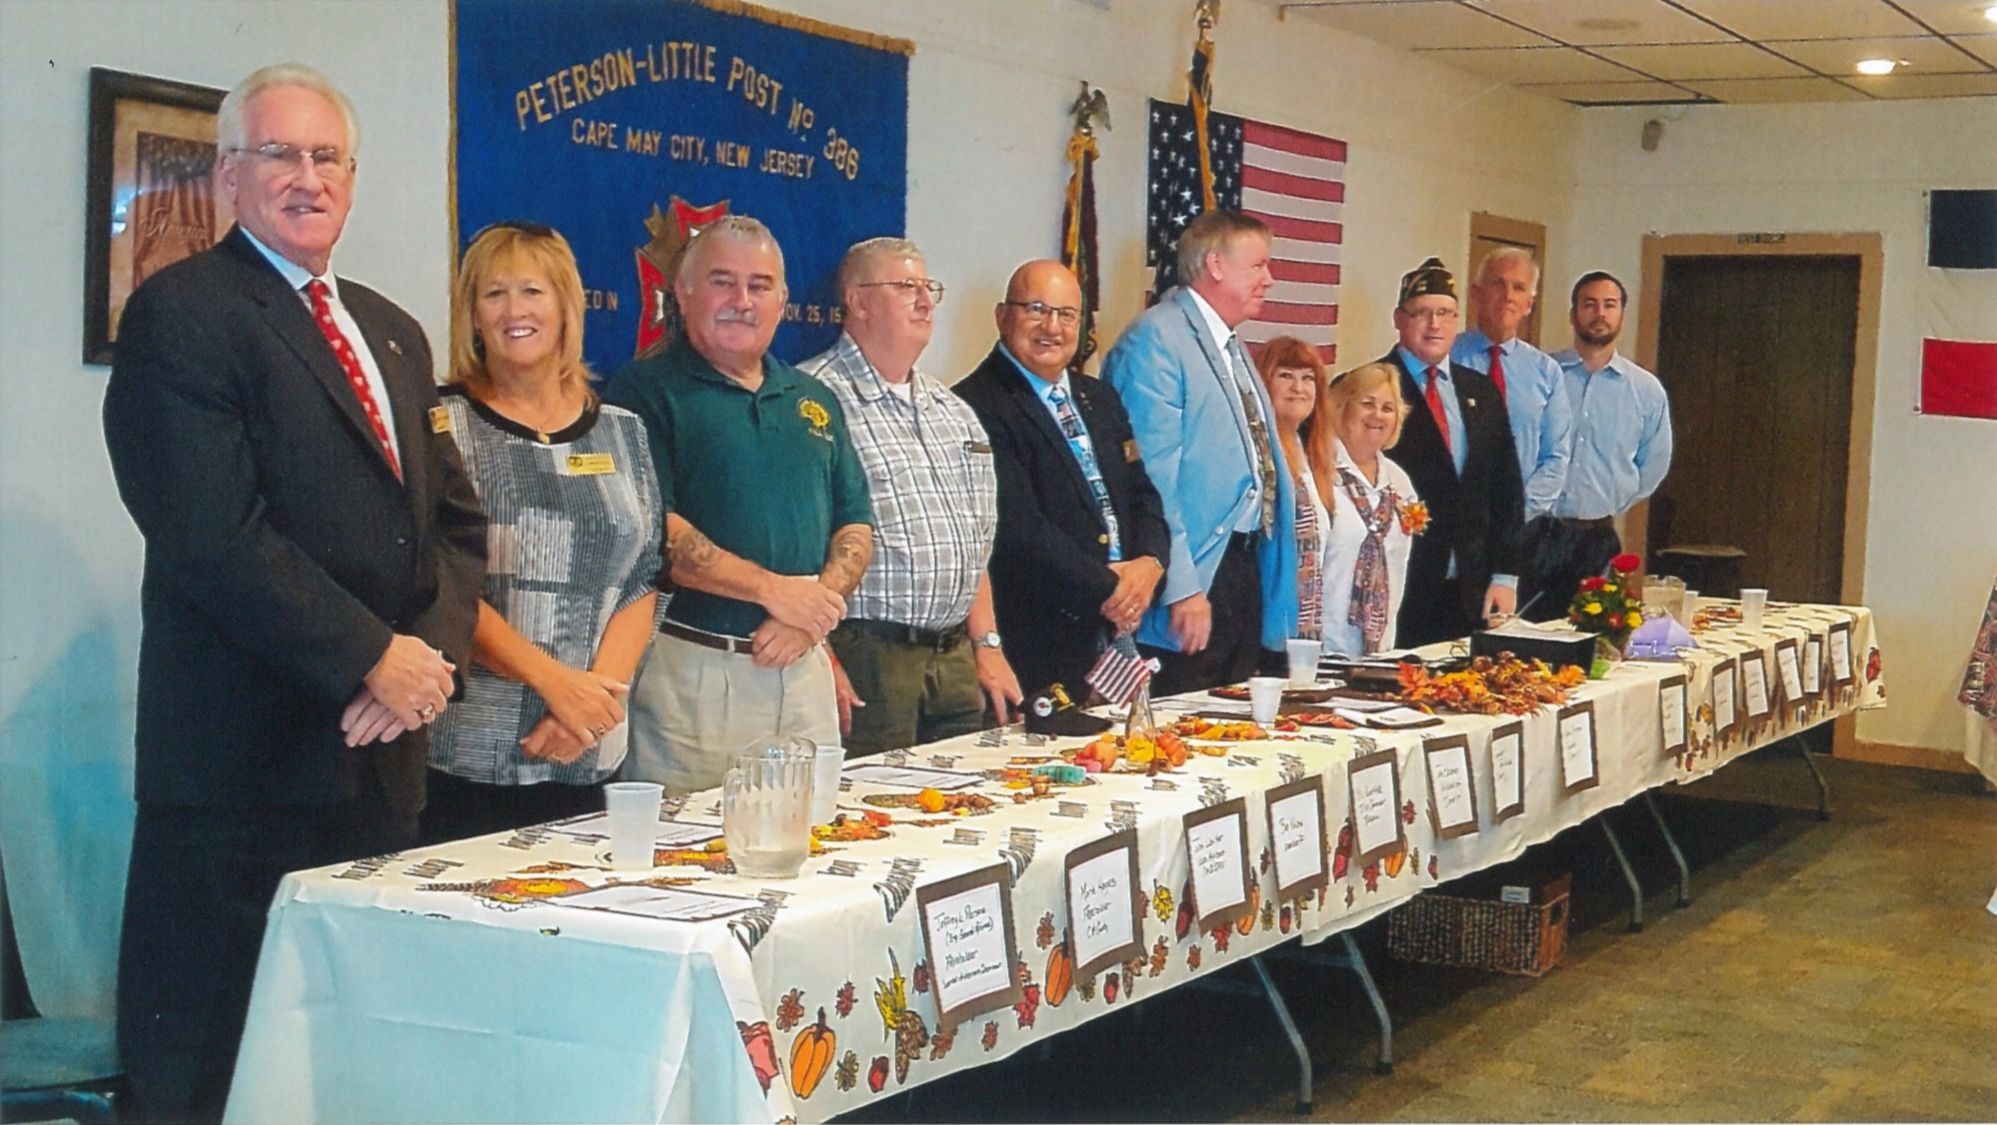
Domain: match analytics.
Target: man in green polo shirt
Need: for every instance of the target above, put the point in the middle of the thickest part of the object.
(769, 525)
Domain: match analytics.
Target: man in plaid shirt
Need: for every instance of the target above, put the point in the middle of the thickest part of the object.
(919, 656)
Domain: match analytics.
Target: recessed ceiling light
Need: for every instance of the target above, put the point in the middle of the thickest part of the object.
(1877, 66)
(1990, 13)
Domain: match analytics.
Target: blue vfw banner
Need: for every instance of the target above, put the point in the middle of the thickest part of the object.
(627, 124)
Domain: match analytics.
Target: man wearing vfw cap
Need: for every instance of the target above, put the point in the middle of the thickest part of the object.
(1456, 446)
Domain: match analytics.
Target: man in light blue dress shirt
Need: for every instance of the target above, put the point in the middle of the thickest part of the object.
(1621, 446)
(1530, 381)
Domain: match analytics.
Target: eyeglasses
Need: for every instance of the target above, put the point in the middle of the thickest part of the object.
(330, 161)
(1066, 316)
(1432, 315)
(909, 287)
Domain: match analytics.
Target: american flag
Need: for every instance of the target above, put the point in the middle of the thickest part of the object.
(1292, 180)
(1119, 673)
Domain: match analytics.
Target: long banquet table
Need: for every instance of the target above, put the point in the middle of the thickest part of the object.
(515, 978)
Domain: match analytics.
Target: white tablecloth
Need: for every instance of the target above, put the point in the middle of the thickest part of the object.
(467, 982)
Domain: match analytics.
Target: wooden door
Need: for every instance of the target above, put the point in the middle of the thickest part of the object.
(1756, 353)
(1487, 233)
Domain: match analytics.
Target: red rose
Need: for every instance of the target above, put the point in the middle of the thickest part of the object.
(1626, 562)
(1615, 620)
(1594, 583)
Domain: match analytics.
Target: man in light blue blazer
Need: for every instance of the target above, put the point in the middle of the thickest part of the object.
(1204, 426)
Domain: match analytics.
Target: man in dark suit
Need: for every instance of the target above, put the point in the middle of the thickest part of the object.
(1081, 530)
(313, 553)
(1457, 448)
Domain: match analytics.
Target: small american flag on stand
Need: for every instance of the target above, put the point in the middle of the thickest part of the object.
(1120, 673)
(1292, 180)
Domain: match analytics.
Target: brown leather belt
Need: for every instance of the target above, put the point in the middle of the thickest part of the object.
(940, 640)
(736, 645)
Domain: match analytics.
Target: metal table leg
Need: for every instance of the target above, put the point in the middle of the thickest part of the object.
(1817, 775)
(1356, 961)
(1678, 857)
(1629, 876)
(1289, 1029)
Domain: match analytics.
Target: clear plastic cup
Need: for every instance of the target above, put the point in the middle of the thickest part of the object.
(1303, 661)
(633, 808)
(1265, 697)
(825, 769)
(1753, 601)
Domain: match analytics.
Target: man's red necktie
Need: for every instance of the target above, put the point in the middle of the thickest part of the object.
(1435, 408)
(1498, 368)
(322, 313)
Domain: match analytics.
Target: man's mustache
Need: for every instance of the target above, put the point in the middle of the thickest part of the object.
(738, 316)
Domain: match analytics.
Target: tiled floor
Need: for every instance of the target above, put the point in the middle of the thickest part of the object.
(1826, 971)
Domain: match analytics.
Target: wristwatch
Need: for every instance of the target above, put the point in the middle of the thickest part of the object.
(989, 640)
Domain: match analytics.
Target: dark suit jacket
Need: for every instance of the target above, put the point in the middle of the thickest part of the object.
(281, 550)
(1050, 566)
(1478, 514)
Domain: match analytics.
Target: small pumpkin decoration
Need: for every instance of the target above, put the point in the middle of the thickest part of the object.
(1060, 976)
(810, 1056)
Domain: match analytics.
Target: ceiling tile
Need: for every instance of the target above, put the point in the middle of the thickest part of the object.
(1982, 46)
(1606, 93)
(1804, 19)
(1605, 21)
(1951, 17)
(1927, 85)
(1839, 57)
(1703, 60)
(1754, 91)
(1532, 64)
(1422, 23)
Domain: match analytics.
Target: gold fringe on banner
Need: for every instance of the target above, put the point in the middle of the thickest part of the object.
(904, 47)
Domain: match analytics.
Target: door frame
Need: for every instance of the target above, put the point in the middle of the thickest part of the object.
(1870, 251)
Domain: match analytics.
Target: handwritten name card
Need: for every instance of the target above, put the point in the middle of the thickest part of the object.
(1754, 684)
(1296, 836)
(1813, 664)
(1507, 771)
(973, 957)
(1104, 911)
(1840, 637)
(1671, 706)
(1375, 781)
(1217, 849)
(1580, 761)
(1789, 671)
(1725, 711)
(1452, 796)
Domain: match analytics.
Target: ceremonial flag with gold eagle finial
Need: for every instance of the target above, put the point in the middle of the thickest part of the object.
(1199, 95)
(1078, 217)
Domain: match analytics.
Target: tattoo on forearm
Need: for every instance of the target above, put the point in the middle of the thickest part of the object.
(846, 558)
(692, 550)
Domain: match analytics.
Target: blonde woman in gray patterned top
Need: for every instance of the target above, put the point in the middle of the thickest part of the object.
(575, 523)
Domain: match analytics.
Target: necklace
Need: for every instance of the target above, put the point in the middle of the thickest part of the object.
(542, 422)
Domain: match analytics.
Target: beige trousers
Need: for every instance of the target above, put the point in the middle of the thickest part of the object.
(693, 708)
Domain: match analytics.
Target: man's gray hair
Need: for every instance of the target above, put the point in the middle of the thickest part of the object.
(731, 228)
(1212, 232)
(229, 119)
(862, 255)
(1509, 253)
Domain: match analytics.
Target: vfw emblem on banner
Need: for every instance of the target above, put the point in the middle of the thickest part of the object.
(658, 260)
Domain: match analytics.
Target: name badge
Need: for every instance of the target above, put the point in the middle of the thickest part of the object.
(590, 464)
(440, 420)
(977, 447)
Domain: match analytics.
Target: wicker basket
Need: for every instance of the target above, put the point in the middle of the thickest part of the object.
(1520, 938)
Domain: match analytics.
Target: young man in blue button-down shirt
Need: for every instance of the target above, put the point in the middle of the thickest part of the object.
(1621, 447)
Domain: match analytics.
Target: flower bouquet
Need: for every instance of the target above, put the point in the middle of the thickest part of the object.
(1609, 605)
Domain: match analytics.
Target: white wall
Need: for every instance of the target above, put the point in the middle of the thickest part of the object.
(990, 85)
(1844, 167)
